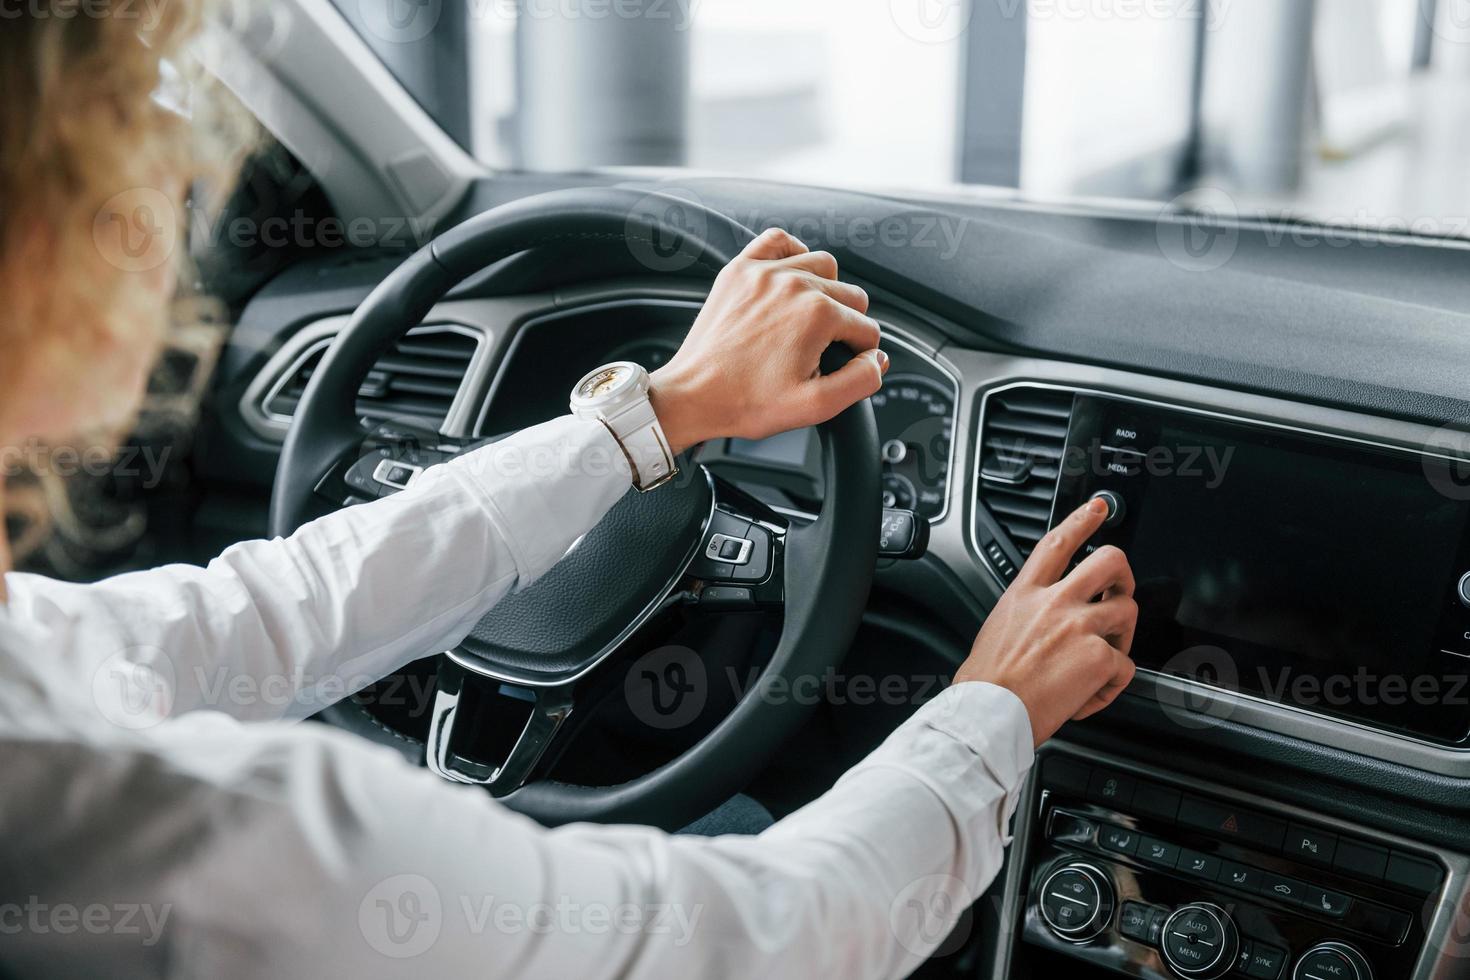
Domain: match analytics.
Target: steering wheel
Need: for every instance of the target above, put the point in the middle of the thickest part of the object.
(652, 552)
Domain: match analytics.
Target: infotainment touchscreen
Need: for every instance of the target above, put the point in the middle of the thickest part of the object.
(1305, 569)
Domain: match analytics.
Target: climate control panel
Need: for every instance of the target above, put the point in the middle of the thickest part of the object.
(1153, 881)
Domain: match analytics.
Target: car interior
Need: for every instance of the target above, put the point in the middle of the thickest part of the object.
(1273, 406)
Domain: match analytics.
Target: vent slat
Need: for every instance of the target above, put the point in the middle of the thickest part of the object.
(419, 377)
(1021, 446)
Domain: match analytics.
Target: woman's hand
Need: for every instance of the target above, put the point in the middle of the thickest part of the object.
(1064, 655)
(749, 367)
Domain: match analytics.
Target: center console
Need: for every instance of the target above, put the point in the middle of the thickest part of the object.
(1137, 873)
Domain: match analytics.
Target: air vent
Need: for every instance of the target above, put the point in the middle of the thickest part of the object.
(419, 377)
(1020, 459)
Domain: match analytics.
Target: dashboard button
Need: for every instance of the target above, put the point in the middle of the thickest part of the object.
(1311, 846)
(1464, 590)
(1200, 941)
(1070, 829)
(1411, 872)
(1198, 865)
(1386, 924)
(1158, 802)
(1233, 823)
(1111, 788)
(1283, 889)
(1070, 776)
(1321, 900)
(1077, 902)
(1134, 919)
(1266, 962)
(1118, 840)
(1117, 510)
(1361, 860)
(1239, 876)
(1156, 851)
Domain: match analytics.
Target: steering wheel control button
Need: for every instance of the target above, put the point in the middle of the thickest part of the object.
(1332, 961)
(1118, 840)
(724, 548)
(1077, 902)
(707, 563)
(902, 535)
(392, 473)
(1200, 941)
(726, 597)
(1116, 509)
(1464, 590)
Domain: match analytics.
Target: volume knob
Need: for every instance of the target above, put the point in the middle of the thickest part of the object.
(1200, 941)
(1077, 902)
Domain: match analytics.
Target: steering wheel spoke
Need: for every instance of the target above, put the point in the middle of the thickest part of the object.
(464, 709)
(740, 564)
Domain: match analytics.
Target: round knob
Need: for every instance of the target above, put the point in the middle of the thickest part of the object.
(1200, 941)
(1077, 902)
(1116, 510)
(1332, 961)
(1465, 590)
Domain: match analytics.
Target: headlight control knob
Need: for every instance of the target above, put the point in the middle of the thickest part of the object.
(1200, 941)
(1077, 902)
(1332, 961)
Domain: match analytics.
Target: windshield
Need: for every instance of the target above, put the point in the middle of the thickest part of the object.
(1347, 112)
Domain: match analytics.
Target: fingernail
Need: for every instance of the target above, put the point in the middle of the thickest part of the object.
(882, 362)
(1097, 505)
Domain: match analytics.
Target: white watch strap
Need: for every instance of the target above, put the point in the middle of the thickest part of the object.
(636, 428)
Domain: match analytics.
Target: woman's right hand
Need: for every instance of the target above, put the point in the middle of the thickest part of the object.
(1047, 641)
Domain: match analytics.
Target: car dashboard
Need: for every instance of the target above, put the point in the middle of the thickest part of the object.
(1232, 815)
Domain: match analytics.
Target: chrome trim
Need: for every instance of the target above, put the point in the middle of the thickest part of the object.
(1440, 933)
(1322, 728)
(316, 337)
(663, 600)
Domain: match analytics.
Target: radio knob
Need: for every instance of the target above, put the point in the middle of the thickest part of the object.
(1465, 590)
(1332, 961)
(1077, 902)
(1200, 942)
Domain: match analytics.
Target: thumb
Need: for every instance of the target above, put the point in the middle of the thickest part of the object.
(857, 379)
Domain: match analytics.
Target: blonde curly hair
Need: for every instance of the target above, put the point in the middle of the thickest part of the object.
(106, 124)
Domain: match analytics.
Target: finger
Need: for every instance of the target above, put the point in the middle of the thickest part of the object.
(773, 243)
(850, 296)
(1110, 691)
(1105, 570)
(1049, 561)
(1112, 619)
(858, 331)
(821, 264)
(848, 385)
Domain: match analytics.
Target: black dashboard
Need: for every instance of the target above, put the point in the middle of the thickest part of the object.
(1041, 363)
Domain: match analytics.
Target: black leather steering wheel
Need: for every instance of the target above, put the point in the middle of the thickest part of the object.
(650, 553)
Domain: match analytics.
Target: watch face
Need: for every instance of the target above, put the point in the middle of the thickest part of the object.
(603, 382)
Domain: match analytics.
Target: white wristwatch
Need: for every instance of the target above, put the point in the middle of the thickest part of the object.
(617, 396)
